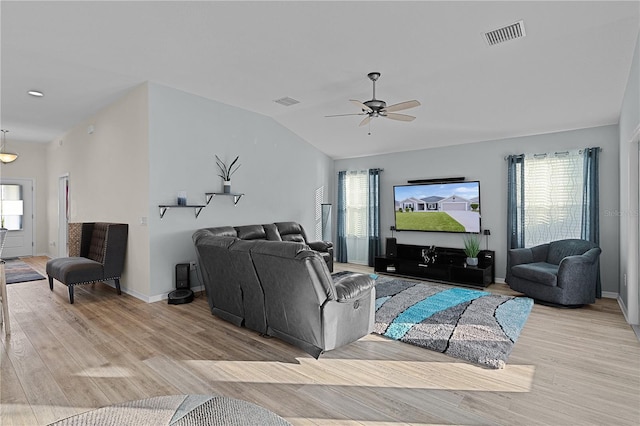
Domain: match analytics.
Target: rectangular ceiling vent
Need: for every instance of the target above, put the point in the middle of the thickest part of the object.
(286, 101)
(510, 32)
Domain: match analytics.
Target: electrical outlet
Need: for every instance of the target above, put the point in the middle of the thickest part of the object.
(192, 265)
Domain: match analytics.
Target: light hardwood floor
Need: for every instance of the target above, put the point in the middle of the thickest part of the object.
(569, 367)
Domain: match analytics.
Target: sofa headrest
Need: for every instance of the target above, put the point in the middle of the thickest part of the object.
(558, 250)
(251, 232)
(209, 240)
(272, 232)
(291, 231)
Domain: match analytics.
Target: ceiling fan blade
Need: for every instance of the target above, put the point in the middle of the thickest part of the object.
(400, 117)
(344, 115)
(402, 105)
(360, 105)
(366, 121)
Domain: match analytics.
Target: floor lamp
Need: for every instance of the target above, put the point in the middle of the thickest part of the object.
(486, 234)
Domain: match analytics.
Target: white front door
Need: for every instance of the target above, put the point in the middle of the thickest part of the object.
(17, 210)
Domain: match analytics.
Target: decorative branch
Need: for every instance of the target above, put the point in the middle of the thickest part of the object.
(226, 172)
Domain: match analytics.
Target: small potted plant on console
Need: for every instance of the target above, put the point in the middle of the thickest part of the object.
(471, 249)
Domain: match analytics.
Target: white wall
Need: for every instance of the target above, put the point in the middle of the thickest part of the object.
(629, 228)
(279, 175)
(108, 179)
(31, 164)
(484, 161)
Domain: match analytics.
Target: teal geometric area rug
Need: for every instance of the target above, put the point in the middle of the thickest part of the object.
(472, 325)
(16, 271)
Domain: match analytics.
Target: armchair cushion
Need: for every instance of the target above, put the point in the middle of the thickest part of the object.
(542, 272)
(75, 270)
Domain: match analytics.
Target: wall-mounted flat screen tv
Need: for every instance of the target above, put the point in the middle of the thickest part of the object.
(438, 207)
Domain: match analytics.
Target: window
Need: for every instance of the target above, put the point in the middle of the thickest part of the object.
(358, 214)
(553, 197)
(11, 207)
(357, 203)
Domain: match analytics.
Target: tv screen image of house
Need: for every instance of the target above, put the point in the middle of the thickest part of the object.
(438, 207)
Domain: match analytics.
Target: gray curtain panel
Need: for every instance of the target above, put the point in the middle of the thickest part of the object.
(590, 229)
(375, 245)
(515, 206)
(341, 244)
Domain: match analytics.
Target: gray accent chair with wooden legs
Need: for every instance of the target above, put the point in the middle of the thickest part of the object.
(102, 254)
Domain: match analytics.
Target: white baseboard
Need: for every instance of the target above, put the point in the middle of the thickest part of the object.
(610, 295)
(636, 329)
(150, 299)
(623, 308)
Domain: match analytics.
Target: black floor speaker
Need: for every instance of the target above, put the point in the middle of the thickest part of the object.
(391, 248)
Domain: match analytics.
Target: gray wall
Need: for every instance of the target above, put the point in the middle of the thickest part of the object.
(484, 161)
(279, 175)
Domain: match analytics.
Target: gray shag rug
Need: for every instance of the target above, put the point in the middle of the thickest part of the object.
(472, 325)
(179, 410)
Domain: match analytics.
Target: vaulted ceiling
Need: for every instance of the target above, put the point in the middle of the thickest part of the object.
(570, 71)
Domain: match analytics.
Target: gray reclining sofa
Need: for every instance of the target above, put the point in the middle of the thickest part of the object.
(282, 288)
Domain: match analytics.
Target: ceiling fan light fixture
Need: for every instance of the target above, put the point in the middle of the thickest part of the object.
(6, 157)
(378, 108)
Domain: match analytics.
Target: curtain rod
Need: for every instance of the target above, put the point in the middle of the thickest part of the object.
(557, 153)
(376, 169)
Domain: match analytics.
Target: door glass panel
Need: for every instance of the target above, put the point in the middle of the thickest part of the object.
(11, 207)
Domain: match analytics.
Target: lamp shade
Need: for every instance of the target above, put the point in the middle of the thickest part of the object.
(8, 157)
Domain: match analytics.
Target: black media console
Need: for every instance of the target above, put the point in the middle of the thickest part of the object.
(438, 264)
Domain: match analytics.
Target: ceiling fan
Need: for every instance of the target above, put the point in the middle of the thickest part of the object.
(378, 108)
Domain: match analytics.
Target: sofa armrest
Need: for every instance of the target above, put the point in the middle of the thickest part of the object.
(519, 256)
(323, 246)
(353, 287)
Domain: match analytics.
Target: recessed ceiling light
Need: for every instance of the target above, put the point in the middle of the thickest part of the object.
(286, 101)
(36, 93)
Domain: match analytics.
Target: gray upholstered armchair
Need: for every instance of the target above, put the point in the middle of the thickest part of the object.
(562, 272)
(102, 255)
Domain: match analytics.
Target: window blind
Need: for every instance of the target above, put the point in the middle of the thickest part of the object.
(553, 197)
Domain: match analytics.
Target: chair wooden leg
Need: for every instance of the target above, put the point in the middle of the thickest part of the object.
(51, 283)
(117, 280)
(71, 294)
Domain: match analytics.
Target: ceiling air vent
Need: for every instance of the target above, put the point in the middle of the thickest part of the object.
(286, 101)
(507, 33)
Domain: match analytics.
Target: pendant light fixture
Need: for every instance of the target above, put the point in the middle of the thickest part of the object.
(6, 157)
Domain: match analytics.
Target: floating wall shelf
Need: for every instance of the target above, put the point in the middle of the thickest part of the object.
(236, 196)
(197, 208)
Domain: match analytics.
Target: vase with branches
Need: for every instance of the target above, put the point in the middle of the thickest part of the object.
(227, 171)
